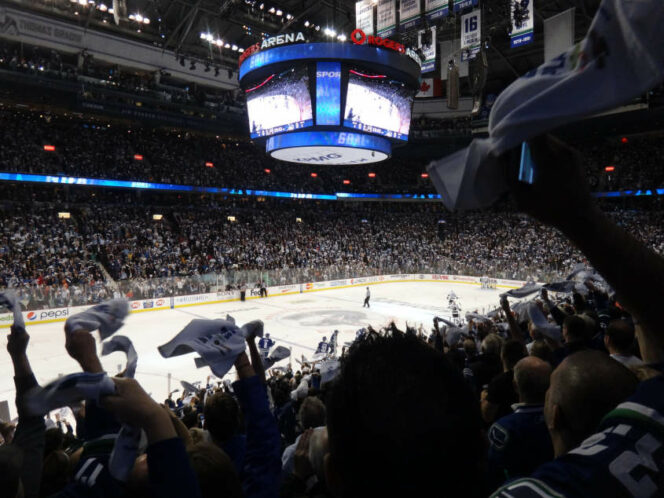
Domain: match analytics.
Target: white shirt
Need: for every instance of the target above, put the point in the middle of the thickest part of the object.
(628, 361)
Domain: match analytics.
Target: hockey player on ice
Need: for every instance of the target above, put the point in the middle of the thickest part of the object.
(264, 345)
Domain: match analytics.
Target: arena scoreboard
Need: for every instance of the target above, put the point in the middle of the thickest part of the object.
(329, 103)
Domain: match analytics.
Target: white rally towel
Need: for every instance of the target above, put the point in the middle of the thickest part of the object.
(66, 391)
(279, 353)
(126, 445)
(124, 345)
(619, 59)
(9, 300)
(108, 317)
(219, 342)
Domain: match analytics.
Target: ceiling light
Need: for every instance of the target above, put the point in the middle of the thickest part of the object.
(240, 50)
(341, 38)
(139, 18)
(234, 48)
(146, 20)
(306, 24)
(289, 17)
(272, 10)
(228, 45)
(279, 12)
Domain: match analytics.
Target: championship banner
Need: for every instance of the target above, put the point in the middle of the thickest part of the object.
(364, 17)
(522, 13)
(386, 18)
(435, 9)
(464, 4)
(471, 34)
(410, 14)
(428, 48)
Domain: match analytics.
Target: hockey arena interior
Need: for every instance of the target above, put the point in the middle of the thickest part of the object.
(331, 248)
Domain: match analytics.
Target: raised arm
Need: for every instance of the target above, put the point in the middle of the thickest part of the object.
(560, 197)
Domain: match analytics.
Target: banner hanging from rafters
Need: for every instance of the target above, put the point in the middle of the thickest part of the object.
(464, 4)
(522, 13)
(410, 14)
(471, 34)
(364, 16)
(428, 48)
(435, 9)
(386, 22)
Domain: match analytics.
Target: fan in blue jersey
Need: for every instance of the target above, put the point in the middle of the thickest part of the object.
(264, 346)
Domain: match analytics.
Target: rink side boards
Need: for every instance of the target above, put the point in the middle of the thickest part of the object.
(158, 304)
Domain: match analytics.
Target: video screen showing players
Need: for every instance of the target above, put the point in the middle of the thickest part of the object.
(377, 104)
(280, 103)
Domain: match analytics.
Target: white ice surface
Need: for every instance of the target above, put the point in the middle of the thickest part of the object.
(296, 321)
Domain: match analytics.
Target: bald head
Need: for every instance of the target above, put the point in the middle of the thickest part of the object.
(584, 388)
(531, 376)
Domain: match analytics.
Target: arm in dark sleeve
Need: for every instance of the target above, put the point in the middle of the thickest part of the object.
(29, 437)
(169, 470)
(262, 462)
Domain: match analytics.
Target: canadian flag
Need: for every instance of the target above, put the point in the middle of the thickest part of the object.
(430, 87)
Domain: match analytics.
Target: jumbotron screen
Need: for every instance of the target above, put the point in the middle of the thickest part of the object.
(280, 103)
(377, 104)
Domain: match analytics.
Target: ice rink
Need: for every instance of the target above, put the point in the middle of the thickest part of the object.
(296, 321)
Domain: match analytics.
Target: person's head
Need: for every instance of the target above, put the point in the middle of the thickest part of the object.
(492, 344)
(267, 335)
(311, 413)
(541, 349)
(469, 347)
(222, 416)
(574, 329)
(401, 422)
(619, 337)
(531, 378)
(324, 338)
(511, 352)
(584, 388)
(214, 470)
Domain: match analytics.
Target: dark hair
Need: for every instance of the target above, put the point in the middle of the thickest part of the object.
(402, 422)
(542, 350)
(222, 416)
(621, 335)
(512, 352)
(214, 471)
(576, 328)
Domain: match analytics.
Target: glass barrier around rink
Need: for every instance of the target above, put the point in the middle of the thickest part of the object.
(33, 296)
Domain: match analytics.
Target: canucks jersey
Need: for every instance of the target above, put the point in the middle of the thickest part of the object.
(624, 459)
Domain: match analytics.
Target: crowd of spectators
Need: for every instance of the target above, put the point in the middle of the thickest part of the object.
(179, 157)
(187, 158)
(113, 245)
(555, 395)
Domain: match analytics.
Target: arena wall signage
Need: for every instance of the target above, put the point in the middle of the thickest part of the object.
(274, 41)
(164, 303)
